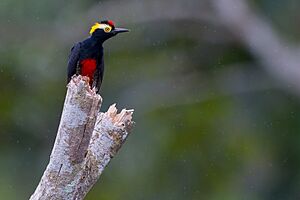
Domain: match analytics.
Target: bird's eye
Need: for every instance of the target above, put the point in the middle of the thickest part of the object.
(107, 29)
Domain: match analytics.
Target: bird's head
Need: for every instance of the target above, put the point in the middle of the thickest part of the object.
(105, 30)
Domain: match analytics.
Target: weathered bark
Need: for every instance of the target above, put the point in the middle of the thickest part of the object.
(110, 132)
(82, 149)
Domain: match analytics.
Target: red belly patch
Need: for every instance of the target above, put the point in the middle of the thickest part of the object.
(88, 68)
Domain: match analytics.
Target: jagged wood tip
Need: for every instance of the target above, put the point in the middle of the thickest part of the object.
(81, 83)
(119, 119)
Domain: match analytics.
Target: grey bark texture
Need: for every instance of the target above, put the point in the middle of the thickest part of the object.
(85, 143)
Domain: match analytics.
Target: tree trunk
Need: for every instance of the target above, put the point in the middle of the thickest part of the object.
(85, 143)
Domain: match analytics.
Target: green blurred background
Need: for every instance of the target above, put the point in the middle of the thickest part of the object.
(211, 121)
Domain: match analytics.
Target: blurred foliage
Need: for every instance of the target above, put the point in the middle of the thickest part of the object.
(210, 123)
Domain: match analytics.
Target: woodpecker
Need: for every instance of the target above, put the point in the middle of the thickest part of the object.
(86, 57)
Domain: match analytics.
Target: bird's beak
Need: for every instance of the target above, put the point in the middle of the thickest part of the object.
(120, 30)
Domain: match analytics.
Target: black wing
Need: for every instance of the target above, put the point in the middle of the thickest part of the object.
(73, 60)
(99, 75)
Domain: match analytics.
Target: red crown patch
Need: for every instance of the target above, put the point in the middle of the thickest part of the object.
(111, 23)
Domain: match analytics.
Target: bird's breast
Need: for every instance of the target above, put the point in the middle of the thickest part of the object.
(88, 68)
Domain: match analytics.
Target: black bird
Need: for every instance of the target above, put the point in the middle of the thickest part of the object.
(86, 57)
